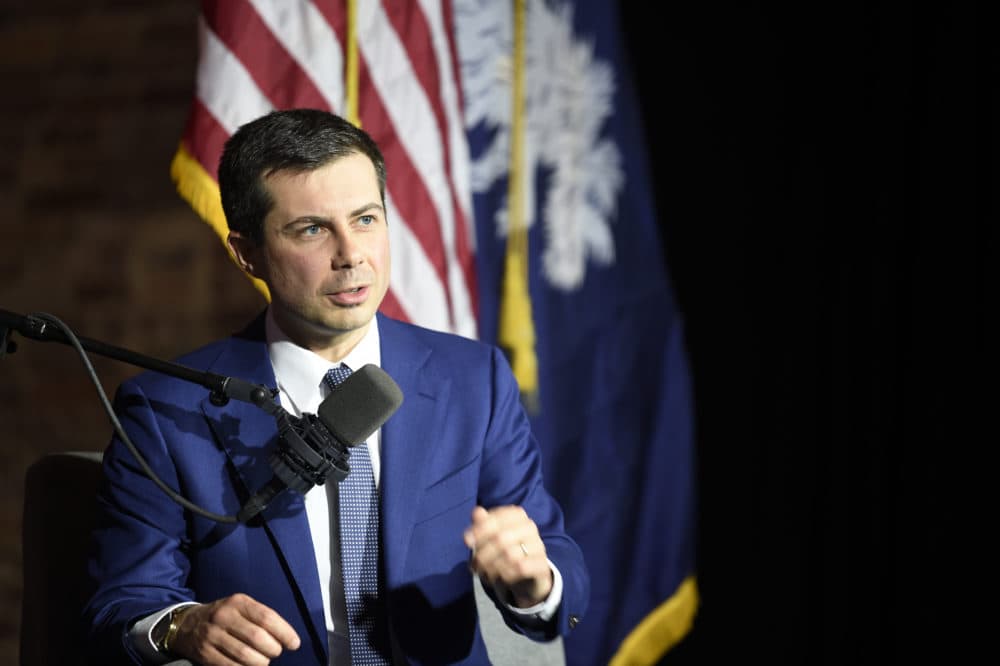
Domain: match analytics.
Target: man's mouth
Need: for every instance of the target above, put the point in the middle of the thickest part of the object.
(351, 296)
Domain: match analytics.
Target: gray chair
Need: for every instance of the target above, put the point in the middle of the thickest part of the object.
(507, 648)
(58, 516)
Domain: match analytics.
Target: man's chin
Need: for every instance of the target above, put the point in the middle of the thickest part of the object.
(346, 322)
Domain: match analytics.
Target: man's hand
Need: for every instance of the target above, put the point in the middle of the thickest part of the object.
(234, 630)
(507, 552)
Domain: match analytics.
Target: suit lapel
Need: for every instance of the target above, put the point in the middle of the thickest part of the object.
(406, 439)
(249, 435)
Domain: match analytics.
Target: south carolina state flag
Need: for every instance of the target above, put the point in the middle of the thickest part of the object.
(557, 152)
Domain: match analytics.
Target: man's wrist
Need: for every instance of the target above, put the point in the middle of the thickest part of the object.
(545, 609)
(164, 631)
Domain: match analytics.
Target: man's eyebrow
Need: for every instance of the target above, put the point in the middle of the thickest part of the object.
(311, 219)
(321, 219)
(364, 209)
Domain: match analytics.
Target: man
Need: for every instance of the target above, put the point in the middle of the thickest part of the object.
(457, 471)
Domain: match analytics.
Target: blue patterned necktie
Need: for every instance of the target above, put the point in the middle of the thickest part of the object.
(359, 546)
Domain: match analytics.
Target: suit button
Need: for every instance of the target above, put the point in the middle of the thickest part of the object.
(573, 621)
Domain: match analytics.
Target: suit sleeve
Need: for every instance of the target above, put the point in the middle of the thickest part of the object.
(137, 564)
(512, 474)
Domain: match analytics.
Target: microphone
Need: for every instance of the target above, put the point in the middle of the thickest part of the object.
(314, 446)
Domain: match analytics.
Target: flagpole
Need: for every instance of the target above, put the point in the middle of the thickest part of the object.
(517, 330)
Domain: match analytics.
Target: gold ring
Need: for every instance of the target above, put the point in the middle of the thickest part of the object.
(524, 549)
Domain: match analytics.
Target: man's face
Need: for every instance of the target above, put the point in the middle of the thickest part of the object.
(324, 255)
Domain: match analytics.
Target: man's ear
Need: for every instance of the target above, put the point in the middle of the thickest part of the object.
(246, 252)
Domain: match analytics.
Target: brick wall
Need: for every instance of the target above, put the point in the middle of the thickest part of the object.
(95, 96)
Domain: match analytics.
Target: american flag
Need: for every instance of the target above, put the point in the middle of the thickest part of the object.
(260, 55)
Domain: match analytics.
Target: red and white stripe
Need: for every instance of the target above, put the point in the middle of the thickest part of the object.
(257, 55)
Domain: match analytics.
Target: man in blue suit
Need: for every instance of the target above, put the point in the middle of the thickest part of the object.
(456, 469)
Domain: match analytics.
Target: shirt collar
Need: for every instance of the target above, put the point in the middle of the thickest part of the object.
(299, 372)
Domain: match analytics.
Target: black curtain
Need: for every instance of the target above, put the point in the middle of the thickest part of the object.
(826, 182)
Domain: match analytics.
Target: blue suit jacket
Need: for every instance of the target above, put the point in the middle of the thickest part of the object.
(459, 439)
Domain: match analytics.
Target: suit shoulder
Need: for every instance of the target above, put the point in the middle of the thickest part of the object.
(455, 346)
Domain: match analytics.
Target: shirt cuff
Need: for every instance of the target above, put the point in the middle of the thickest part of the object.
(546, 610)
(141, 637)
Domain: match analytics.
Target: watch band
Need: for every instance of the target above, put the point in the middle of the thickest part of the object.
(173, 618)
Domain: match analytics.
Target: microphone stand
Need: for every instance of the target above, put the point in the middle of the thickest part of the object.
(221, 388)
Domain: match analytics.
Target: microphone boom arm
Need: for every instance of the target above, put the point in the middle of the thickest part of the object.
(221, 388)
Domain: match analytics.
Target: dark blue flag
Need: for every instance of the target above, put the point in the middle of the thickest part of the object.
(553, 124)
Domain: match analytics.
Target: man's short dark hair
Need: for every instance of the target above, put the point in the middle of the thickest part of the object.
(291, 140)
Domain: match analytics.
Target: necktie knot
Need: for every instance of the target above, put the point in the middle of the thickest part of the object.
(336, 375)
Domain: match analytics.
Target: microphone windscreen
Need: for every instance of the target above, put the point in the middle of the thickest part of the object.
(360, 404)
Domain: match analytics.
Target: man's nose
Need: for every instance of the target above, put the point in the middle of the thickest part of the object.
(347, 252)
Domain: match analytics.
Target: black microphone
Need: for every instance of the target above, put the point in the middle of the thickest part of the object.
(314, 446)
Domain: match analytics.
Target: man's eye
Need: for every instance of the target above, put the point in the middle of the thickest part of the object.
(311, 230)
(366, 219)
